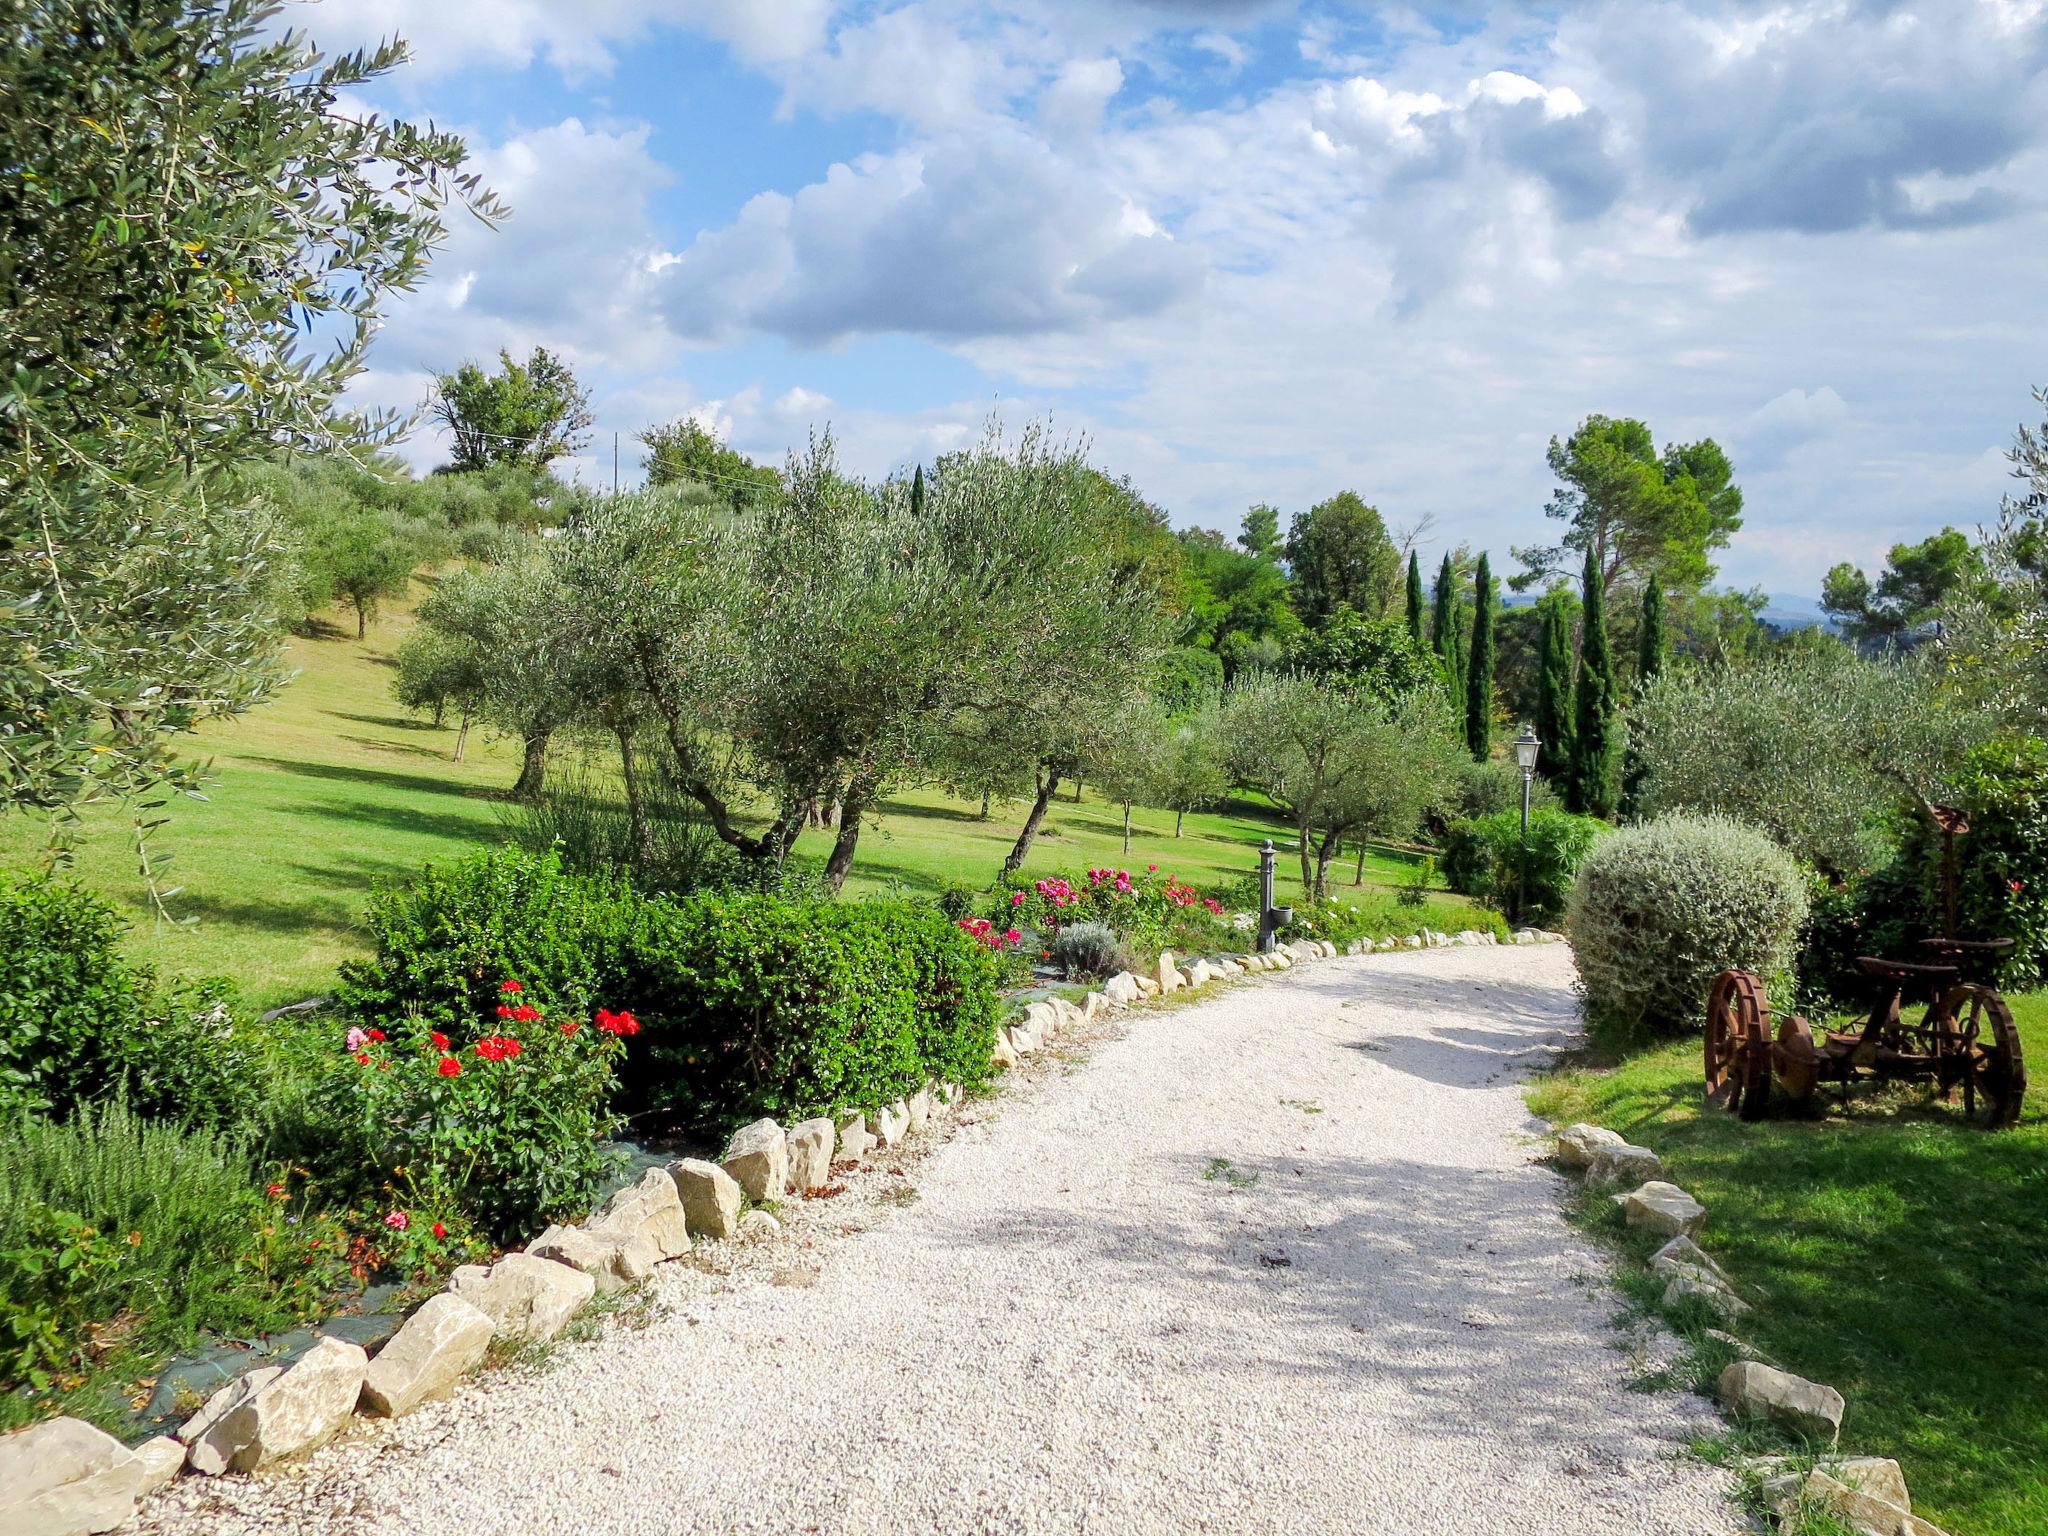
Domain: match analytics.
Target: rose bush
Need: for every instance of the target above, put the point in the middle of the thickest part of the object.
(505, 1132)
(1151, 910)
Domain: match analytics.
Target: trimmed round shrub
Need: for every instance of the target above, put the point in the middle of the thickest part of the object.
(1487, 858)
(1660, 908)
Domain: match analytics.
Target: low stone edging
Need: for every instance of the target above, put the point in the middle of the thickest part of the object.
(64, 1477)
(1869, 1492)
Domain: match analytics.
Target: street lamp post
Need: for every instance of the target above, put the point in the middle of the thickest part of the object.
(1526, 748)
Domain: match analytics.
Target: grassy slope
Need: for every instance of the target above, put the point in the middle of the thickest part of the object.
(1892, 1251)
(331, 787)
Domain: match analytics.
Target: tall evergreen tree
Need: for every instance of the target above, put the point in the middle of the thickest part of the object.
(1444, 636)
(1590, 782)
(1479, 667)
(1650, 642)
(1554, 686)
(917, 494)
(1414, 599)
(1650, 646)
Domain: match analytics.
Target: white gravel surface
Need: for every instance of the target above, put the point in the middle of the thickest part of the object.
(1281, 1260)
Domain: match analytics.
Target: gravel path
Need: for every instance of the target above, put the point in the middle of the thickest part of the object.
(1278, 1261)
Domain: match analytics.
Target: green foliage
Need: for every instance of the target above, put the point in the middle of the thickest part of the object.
(1340, 555)
(1260, 533)
(764, 1005)
(1238, 604)
(685, 452)
(1422, 878)
(362, 558)
(189, 200)
(1415, 603)
(1344, 917)
(582, 817)
(1152, 911)
(1659, 909)
(1479, 667)
(79, 1024)
(1590, 777)
(1555, 700)
(1488, 859)
(1815, 746)
(505, 1131)
(1634, 515)
(527, 414)
(1088, 949)
(1652, 647)
(1917, 583)
(1446, 626)
(1483, 789)
(439, 670)
(1375, 656)
(106, 1213)
(447, 938)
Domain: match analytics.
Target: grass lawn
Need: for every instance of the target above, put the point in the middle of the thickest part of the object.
(330, 788)
(1892, 1251)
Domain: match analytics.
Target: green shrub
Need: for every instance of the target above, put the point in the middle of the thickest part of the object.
(1494, 787)
(79, 1024)
(1376, 915)
(169, 1226)
(1488, 859)
(1152, 911)
(444, 941)
(1660, 908)
(769, 1005)
(583, 818)
(505, 1132)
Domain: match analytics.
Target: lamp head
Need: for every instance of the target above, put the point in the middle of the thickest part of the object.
(1526, 748)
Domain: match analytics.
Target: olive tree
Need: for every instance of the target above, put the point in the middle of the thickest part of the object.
(1814, 746)
(189, 199)
(1341, 761)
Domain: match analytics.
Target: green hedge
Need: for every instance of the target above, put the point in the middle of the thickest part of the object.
(749, 1005)
(1487, 859)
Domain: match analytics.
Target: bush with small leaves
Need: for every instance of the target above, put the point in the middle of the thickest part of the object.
(1085, 950)
(1659, 909)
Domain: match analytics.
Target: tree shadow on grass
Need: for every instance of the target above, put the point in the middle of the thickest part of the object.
(390, 722)
(383, 778)
(413, 820)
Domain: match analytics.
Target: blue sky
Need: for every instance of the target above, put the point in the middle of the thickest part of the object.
(1265, 250)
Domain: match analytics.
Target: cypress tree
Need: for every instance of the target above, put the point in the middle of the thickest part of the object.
(1590, 786)
(1650, 646)
(1479, 667)
(917, 493)
(1650, 638)
(1414, 599)
(1443, 627)
(1554, 689)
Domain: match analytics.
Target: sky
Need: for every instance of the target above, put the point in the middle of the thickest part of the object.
(1264, 250)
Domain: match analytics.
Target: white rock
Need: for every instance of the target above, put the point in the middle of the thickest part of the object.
(1279, 960)
(1043, 1020)
(63, 1477)
(1578, 1144)
(1526, 936)
(201, 1453)
(1093, 1007)
(851, 1133)
(1614, 1165)
(1413, 941)
(1168, 974)
(1068, 1013)
(919, 1105)
(1230, 970)
(1384, 945)
(294, 1412)
(614, 1260)
(1700, 1286)
(1199, 974)
(1682, 1254)
(1121, 989)
(1003, 1054)
(162, 1460)
(758, 1224)
(1147, 987)
(810, 1155)
(890, 1123)
(1751, 1387)
(757, 1157)
(648, 1211)
(1663, 1208)
(711, 1198)
(527, 1299)
(435, 1348)
(1022, 1041)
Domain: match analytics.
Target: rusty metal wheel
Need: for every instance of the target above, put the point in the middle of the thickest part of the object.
(1738, 1053)
(1993, 1071)
(1796, 1059)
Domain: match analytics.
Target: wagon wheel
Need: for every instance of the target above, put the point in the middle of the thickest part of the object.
(1738, 1053)
(1796, 1059)
(1994, 1071)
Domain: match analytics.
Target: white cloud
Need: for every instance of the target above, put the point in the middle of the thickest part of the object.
(1073, 104)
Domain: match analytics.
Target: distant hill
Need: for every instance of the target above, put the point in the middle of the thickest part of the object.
(1785, 610)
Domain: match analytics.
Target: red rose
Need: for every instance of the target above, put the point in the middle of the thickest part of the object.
(511, 986)
(273, 1190)
(362, 1058)
(504, 1010)
(571, 1027)
(439, 1230)
(449, 1067)
(440, 1040)
(376, 1034)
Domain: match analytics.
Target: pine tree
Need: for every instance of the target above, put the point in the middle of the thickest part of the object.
(1479, 667)
(1414, 599)
(1554, 688)
(1589, 785)
(1444, 634)
(917, 495)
